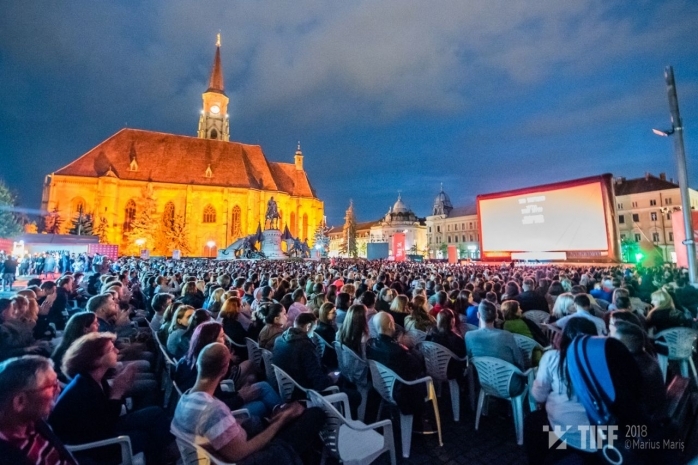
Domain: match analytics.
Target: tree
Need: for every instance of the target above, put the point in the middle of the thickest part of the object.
(101, 230)
(9, 226)
(82, 224)
(53, 222)
(145, 224)
(178, 236)
(349, 240)
(321, 241)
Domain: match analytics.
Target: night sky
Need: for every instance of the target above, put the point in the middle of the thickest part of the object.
(383, 95)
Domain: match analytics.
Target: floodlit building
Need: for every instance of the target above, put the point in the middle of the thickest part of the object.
(449, 225)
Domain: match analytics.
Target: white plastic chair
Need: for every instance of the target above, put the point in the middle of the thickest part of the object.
(166, 382)
(384, 379)
(437, 358)
(268, 369)
(124, 442)
(527, 346)
(254, 354)
(355, 369)
(551, 330)
(194, 454)
(352, 442)
(287, 385)
(537, 316)
(495, 376)
(416, 336)
(679, 342)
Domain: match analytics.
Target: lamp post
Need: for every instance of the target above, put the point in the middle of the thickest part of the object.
(677, 131)
(140, 243)
(209, 246)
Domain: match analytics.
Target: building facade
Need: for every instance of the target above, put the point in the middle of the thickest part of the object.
(213, 190)
(452, 226)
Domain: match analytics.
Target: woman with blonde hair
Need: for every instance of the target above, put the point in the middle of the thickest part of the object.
(419, 317)
(216, 301)
(399, 309)
(564, 305)
(663, 314)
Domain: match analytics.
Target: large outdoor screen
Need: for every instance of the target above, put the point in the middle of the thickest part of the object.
(556, 218)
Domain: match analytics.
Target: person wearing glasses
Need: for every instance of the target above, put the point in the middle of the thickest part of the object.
(28, 390)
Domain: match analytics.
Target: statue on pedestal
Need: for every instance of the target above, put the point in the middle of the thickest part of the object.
(272, 215)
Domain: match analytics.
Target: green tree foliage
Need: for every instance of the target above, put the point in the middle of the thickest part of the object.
(9, 224)
(53, 222)
(320, 238)
(82, 224)
(145, 224)
(178, 236)
(349, 239)
(101, 230)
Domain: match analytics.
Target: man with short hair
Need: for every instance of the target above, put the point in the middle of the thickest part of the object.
(583, 306)
(28, 390)
(159, 303)
(529, 299)
(202, 419)
(248, 288)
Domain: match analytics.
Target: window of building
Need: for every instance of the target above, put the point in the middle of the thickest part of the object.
(462, 226)
(621, 219)
(429, 228)
(668, 216)
(470, 225)
(236, 223)
(77, 206)
(209, 214)
(449, 239)
(667, 201)
(448, 228)
(655, 237)
(129, 215)
(636, 217)
(438, 229)
(306, 233)
(634, 204)
(653, 203)
(620, 206)
(622, 237)
(637, 238)
(463, 237)
(653, 216)
(671, 236)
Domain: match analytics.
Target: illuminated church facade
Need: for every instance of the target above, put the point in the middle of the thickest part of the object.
(156, 185)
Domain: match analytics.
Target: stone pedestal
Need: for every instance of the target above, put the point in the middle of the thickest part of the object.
(272, 245)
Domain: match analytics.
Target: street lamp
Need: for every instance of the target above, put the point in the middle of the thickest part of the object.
(140, 243)
(210, 245)
(677, 131)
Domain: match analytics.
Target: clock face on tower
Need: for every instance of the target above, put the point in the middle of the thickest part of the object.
(215, 109)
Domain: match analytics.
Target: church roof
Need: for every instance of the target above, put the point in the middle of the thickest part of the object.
(180, 159)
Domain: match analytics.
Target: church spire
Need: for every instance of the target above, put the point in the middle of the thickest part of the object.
(215, 82)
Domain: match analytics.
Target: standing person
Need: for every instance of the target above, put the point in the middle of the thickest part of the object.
(9, 271)
(28, 389)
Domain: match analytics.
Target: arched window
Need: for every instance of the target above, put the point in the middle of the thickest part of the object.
(77, 205)
(293, 224)
(129, 216)
(236, 223)
(214, 134)
(209, 214)
(305, 232)
(168, 215)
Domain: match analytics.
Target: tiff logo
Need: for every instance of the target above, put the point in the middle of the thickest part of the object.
(592, 437)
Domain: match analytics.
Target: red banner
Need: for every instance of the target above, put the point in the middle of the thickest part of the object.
(108, 250)
(452, 254)
(399, 247)
(677, 225)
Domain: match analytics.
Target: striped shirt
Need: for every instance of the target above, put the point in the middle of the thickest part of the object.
(205, 421)
(36, 447)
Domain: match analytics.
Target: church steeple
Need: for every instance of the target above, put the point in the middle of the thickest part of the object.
(213, 123)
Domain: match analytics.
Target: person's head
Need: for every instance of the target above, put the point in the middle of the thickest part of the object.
(582, 302)
(298, 296)
(555, 288)
(103, 305)
(623, 303)
(419, 302)
(80, 324)
(160, 301)
(387, 294)
(661, 300)
(204, 334)
(275, 315)
(91, 352)
(305, 322)
(632, 335)
(248, 287)
(399, 304)
(327, 313)
(528, 285)
(445, 321)
(181, 318)
(354, 327)
(349, 289)
(621, 315)
(6, 310)
(441, 298)
(213, 362)
(199, 317)
(486, 312)
(66, 282)
(342, 301)
(231, 308)
(217, 295)
(266, 292)
(368, 298)
(385, 324)
(512, 289)
(28, 388)
(564, 305)
(189, 288)
(511, 310)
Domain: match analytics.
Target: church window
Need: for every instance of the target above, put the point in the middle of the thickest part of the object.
(236, 225)
(76, 206)
(293, 223)
(129, 215)
(168, 215)
(214, 134)
(209, 214)
(305, 232)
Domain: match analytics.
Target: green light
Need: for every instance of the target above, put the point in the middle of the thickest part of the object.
(638, 257)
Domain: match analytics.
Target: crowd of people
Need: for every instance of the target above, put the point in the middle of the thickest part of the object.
(80, 351)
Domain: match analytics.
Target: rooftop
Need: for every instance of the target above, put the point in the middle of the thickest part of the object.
(648, 183)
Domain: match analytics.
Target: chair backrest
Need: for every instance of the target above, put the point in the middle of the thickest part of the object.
(537, 316)
(267, 356)
(286, 384)
(333, 422)
(416, 336)
(679, 341)
(495, 375)
(383, 379)
(436, 358)
(551, 332)
(254, 353)
(351, 365)
(526, 344)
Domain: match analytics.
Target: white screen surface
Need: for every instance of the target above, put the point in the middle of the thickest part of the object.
(564, 219)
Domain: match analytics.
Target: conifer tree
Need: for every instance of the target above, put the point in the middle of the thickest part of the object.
(101, 230)
(9, 226)
(349, 239)
(53, 222)
(178, 236)
(144, 226)
(81, 224)
(321, 239)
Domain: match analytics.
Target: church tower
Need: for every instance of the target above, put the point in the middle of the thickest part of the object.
(213, 123)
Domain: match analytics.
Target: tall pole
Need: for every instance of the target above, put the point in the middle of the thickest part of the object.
(680, 154)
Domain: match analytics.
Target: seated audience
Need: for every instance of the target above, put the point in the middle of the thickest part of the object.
(529, 299)
(275, 323)
(419, 318)
(583, 310)
(445, 333)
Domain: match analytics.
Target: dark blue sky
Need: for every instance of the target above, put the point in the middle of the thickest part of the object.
(384, 96)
